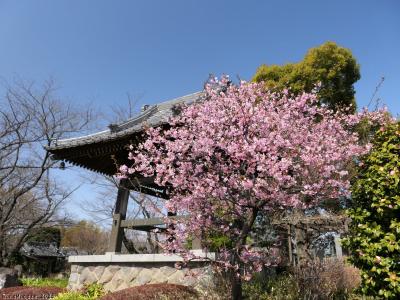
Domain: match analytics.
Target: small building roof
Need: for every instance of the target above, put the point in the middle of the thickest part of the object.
(102, 151)
(40, 250)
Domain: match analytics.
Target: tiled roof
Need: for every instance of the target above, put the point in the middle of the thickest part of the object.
(153, 116)
(37, 249)
(40, 249)
(103, 151)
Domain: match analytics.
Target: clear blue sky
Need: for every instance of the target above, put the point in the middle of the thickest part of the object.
(100, 50)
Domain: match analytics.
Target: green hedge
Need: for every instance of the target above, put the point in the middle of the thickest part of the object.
(374, 239)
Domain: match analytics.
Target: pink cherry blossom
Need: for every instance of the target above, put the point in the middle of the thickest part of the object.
(242, 153)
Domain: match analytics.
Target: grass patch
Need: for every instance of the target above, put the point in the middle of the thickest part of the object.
(45, 282)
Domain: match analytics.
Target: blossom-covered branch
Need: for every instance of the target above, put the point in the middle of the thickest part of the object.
(242, 153)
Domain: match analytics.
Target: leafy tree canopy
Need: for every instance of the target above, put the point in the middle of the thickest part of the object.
(374, 239)
(46, 235)
(334, 67)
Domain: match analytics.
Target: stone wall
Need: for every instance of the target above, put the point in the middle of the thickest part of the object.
(120, 275)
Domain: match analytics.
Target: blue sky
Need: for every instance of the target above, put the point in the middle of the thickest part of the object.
(99, 51)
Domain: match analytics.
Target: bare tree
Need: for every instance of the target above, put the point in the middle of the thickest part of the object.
(31, 117)
(120, 113)
(85, 236)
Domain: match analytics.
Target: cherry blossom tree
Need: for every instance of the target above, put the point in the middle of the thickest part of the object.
(243, 153)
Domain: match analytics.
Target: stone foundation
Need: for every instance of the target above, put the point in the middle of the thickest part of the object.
(117, 271)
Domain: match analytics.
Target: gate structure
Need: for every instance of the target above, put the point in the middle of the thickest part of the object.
(101, 152)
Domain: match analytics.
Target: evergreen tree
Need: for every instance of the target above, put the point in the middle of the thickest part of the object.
(330, 65)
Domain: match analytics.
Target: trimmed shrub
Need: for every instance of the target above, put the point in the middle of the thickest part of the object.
(26, 292)
(153, 292)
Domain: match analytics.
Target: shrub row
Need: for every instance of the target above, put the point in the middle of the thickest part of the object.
(96, 292)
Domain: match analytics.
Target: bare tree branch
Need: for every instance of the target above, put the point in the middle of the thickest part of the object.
(31, 117)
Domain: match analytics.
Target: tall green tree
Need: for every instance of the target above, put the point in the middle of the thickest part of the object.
(334, 67)
(374, 238)
(45, 235)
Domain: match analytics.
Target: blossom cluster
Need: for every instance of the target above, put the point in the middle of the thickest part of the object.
(244, 152)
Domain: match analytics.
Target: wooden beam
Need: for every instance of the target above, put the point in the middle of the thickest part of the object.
(146, 185)
(151, 222)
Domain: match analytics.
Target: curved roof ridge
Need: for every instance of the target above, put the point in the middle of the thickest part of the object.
(138, 118)
(152, 107)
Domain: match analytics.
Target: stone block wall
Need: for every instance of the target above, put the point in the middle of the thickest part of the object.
(121, 275)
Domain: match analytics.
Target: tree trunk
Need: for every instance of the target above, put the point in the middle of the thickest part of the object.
(130, 247)
(236, 279)
(236, 289)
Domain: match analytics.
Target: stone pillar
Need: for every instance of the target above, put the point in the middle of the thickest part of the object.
(338, 246)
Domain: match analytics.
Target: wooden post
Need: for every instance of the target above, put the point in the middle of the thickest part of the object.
(119, 215)
(295, 249)
(289, 240)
